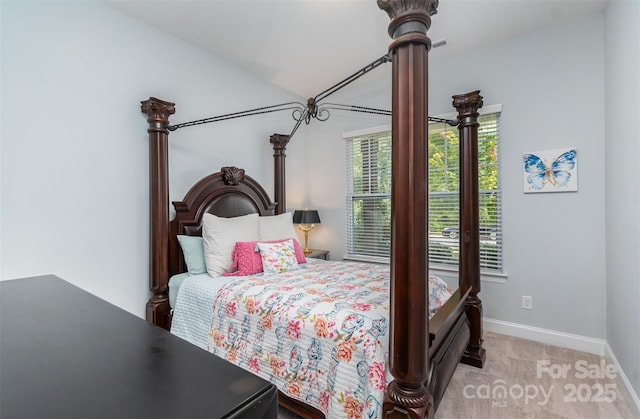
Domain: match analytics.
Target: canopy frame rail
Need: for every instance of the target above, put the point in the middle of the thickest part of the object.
(313, 109)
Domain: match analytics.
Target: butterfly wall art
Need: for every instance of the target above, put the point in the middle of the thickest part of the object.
(551, 171)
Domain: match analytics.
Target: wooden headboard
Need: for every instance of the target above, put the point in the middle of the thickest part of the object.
(227, 193)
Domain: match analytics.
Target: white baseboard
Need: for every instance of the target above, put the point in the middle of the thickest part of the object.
(551, 337)
(568, 340)
(623, 382)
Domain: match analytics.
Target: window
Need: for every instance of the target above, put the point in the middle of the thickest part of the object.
(369, 194)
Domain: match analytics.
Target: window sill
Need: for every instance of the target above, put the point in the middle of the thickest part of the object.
(442, 271)
(485, 276)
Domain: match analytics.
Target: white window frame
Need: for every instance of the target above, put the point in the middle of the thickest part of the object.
(491, 275)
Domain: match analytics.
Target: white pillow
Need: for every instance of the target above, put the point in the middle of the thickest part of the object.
(277, 227)
(220, 235)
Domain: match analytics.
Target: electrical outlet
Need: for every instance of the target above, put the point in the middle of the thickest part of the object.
(527, 302)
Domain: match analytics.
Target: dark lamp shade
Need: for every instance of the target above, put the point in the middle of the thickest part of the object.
(306, 217)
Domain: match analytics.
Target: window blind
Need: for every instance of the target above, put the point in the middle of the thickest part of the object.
(368, 195)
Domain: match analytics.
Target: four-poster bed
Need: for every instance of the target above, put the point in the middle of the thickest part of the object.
(423, 352)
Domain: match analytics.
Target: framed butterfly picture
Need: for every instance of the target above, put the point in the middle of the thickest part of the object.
(550, 170)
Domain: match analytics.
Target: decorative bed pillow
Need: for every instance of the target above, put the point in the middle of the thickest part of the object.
(277, 227)
(247, 259)
(193, 252)
(219, 236)
(278, 257)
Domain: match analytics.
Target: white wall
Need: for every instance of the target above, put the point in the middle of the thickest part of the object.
(551, 86)
(74, 143)
(622, 67)
(552, 89)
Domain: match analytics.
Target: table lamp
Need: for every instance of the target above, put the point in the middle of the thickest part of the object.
(306, 220)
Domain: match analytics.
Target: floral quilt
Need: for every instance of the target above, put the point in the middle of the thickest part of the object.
(320, 333)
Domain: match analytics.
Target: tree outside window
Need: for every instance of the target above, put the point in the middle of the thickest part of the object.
(369, 195)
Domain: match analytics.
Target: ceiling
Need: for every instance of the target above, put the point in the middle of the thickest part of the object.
(306, 46)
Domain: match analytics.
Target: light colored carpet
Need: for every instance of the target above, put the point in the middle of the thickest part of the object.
(539, 381)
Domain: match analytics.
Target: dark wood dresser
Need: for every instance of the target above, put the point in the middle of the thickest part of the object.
(65, 353)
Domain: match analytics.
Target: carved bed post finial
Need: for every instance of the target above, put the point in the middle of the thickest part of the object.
(410, 20)
(406, 395)
(467, 106)
(279, 142)
(158, 112)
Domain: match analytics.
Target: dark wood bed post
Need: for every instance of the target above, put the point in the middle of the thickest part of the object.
(158, 112)
(279, 142)
(467, 106)
(406, 395)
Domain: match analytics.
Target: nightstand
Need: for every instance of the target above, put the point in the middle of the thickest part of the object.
(318, 254)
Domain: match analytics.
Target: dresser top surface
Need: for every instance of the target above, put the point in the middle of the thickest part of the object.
(66, 353)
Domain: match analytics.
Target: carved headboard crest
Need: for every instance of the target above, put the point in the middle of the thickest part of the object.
(232, 175)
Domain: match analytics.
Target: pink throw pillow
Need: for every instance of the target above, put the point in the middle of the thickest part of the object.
(247, 260)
